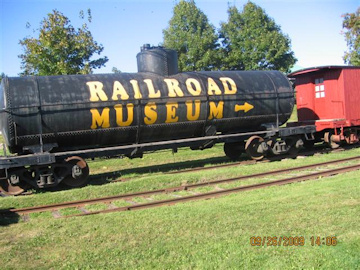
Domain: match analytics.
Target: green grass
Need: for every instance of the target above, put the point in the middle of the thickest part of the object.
(294, 116)
(207, 234)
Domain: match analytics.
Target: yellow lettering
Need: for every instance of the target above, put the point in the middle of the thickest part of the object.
(150, 86)
(100, 120)
(226, 83)
(135, 85)
(192, 115)
(96, 91)
(119, 114)
(190, 84)
(216, 111)
(174, 88)
(171, 112)
(213, 88)
(150, 113)
(119, 89)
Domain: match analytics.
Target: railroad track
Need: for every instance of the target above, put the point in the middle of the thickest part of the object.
(218, 191)
(115, 176)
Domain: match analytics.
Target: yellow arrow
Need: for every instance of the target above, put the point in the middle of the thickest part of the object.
(246, 107)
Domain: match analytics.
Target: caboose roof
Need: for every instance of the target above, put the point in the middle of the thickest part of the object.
(320, 68)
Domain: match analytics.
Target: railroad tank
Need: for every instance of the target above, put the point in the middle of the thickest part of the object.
(63, 113)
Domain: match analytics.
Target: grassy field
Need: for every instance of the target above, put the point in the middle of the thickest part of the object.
(209, 234)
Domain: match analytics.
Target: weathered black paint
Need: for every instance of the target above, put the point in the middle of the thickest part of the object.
(56, 109)
(157, 60)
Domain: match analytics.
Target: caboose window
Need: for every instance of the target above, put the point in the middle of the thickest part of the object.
(319, 88)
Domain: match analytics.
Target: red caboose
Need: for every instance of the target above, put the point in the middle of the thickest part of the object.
(329, 97)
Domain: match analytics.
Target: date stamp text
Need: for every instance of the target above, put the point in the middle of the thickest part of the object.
(276, 241)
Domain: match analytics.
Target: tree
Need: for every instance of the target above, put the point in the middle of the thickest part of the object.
(116, 70)
(352, 24)
(2, 76)
(60, 48)
(252, 40)
(192, 36)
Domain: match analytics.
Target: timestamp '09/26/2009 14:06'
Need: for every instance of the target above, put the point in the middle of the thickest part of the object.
(292, 241)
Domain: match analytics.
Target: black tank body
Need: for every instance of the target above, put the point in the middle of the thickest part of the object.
(156, 104)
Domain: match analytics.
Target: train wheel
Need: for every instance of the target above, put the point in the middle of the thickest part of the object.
(8, 189)
(252, 146)
(331, 143)
(79, 172)
(233, 150)
(274, 147)
(293, 151)
(294, 144)
(309, 144)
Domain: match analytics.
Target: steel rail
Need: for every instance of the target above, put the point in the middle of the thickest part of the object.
(79, 203)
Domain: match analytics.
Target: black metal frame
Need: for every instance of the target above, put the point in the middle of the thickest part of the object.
(46, 158)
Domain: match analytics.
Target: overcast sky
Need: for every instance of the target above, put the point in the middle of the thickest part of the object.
(123, 26)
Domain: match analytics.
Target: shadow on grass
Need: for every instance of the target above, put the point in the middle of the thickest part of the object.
(103, 178)
(7, 217)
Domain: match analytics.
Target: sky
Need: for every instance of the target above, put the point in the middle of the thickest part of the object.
(123, 26)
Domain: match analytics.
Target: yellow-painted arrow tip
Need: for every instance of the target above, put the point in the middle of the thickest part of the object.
(246, 107)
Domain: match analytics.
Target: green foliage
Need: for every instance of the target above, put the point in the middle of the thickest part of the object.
(116, 70)
(60, 48)
(2, 76)
(252, 40)
(193, 37)
(352, 35)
